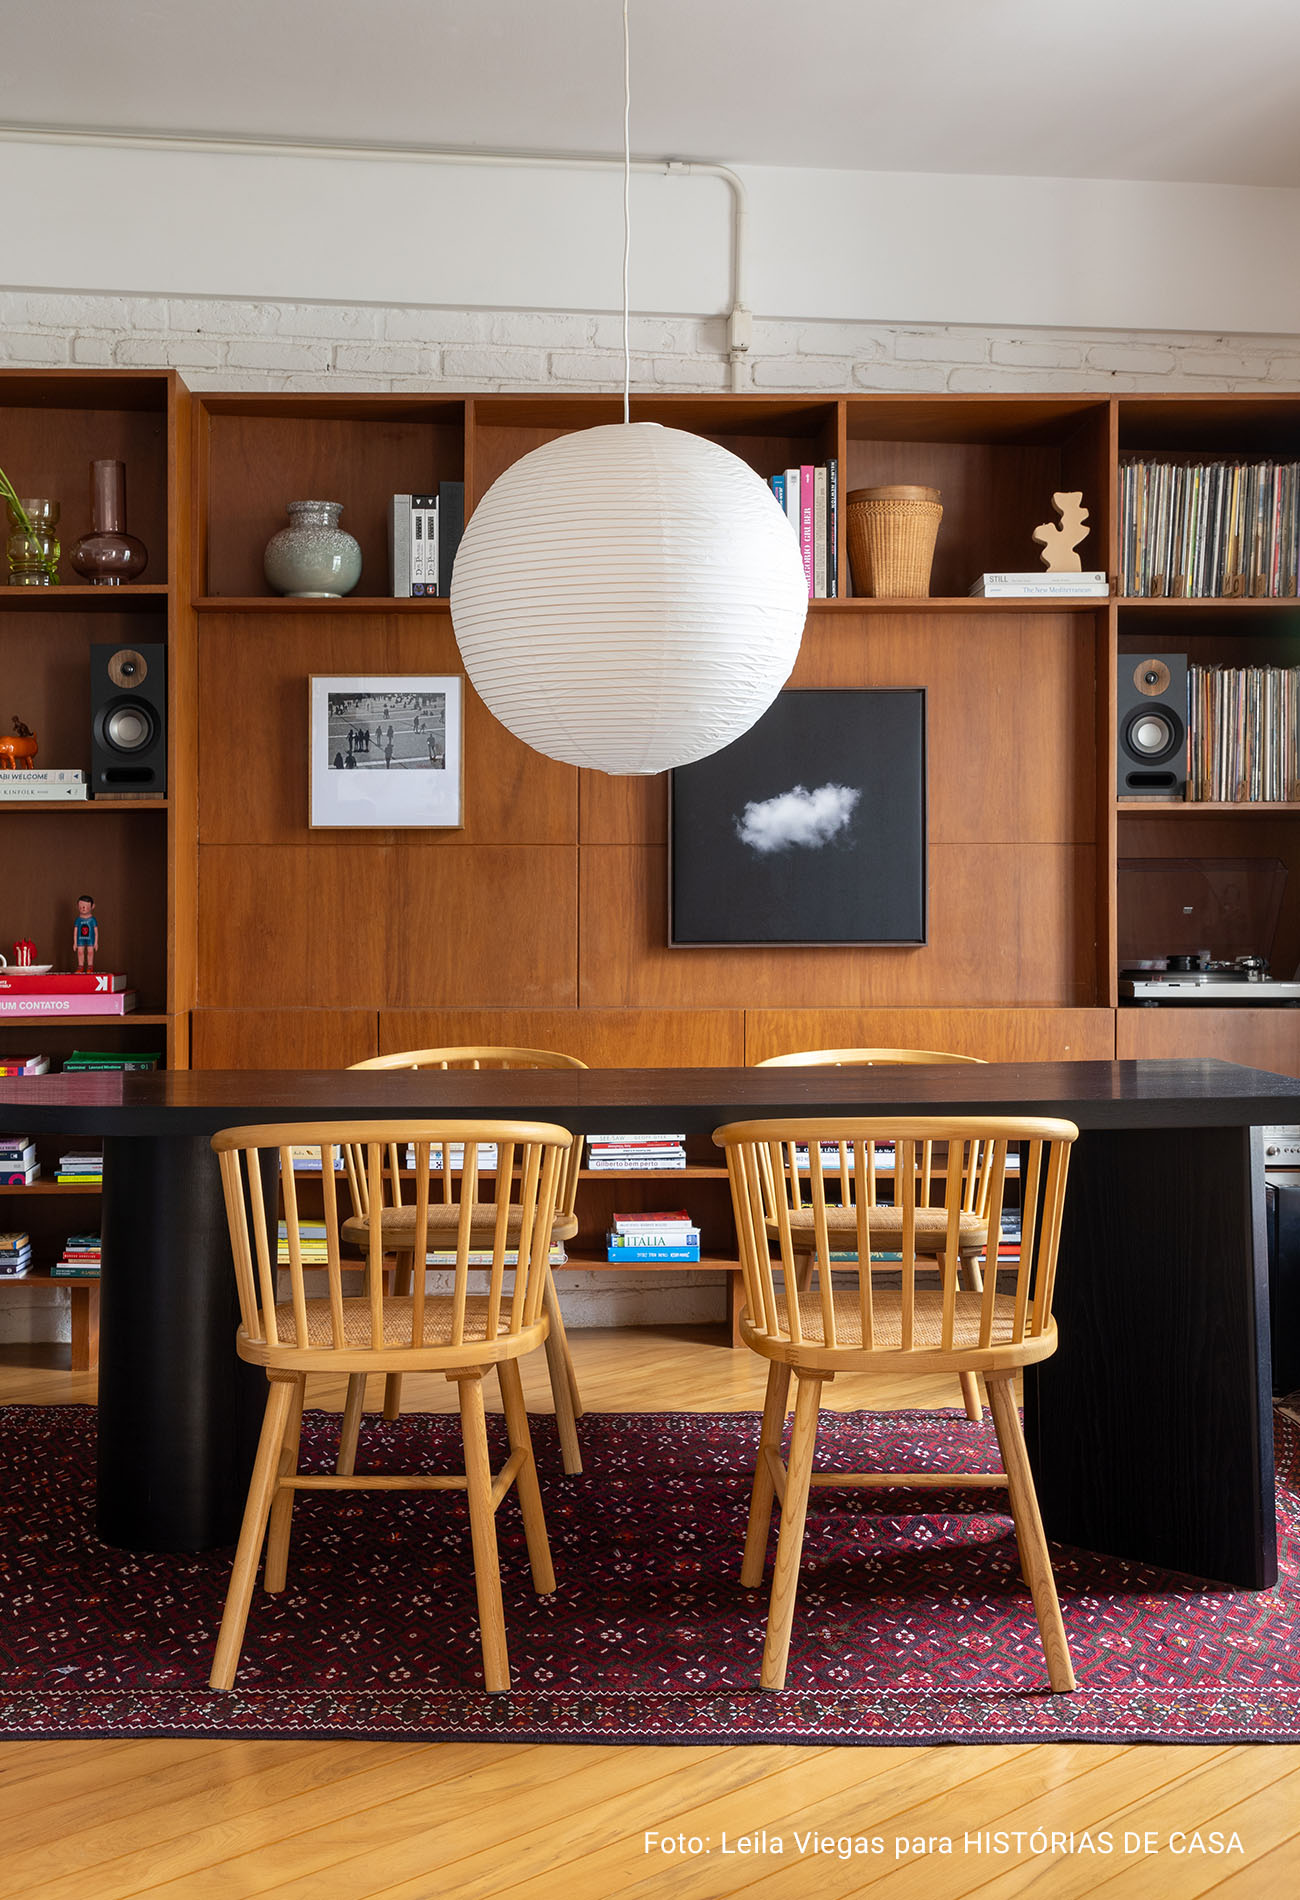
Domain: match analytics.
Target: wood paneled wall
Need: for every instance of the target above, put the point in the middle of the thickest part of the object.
(544, 920)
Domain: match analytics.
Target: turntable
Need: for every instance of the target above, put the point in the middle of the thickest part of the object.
(1186, 979)
(1201, 930)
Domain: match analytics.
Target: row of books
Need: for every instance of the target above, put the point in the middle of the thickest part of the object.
(1209, 529)
(423, 535)
(1243, 733)
(652, 1237)
(810, 496)
(641, 1154)
(56, 785)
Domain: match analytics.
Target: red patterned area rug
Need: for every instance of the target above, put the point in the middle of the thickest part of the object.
(912, 1624)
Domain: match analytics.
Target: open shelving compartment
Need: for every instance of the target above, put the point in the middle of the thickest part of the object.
(996, 461)
(253, 454)
(1210, 631)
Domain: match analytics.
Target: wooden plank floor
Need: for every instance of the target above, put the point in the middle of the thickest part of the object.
(213, 1820)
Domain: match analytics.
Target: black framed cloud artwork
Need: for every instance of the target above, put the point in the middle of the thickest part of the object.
(810, 829)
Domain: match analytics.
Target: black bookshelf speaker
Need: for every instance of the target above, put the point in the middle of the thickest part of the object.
(1151, 735)
(128, 721)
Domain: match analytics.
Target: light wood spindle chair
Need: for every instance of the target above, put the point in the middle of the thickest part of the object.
(973, 1233)
(843, 1323)
(462, 1334)
(398, 1225)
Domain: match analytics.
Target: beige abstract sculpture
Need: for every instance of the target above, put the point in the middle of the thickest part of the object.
(1060, 544)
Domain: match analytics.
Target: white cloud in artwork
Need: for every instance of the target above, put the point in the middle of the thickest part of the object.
(797, 818)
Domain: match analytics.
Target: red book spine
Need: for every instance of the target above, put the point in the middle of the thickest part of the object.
(66, 983)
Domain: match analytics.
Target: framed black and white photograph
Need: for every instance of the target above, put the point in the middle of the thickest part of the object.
(387, 751)
(810, 829)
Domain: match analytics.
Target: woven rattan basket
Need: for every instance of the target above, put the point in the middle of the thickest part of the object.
(891, 539)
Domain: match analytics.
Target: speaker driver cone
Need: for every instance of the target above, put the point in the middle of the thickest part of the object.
(129, 725)
(1151, 734)
(1151, 677)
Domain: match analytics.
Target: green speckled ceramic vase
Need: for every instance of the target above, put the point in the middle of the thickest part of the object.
(313, 558)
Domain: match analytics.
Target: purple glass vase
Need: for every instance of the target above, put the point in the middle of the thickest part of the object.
(108, 555)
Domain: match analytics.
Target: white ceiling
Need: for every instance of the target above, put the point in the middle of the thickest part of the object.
(1190, 90)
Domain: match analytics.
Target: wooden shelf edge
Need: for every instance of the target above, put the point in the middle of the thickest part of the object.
(1204, 807)
(962, 603)
(54, 1187)
(592, 1260)
(346, 604)
(84, 804)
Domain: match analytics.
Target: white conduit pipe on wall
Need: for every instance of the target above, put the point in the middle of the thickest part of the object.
(740, 318)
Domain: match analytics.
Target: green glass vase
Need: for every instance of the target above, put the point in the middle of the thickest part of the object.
(33, 556)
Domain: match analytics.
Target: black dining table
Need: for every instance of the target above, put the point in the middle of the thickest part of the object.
(1150, 1429)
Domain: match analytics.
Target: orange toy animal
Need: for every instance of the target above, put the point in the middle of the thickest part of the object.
(18, 750)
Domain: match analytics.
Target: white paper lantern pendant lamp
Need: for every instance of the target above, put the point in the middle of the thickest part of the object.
(630, 597)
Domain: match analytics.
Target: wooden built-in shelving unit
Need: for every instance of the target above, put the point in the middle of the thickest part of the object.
(256, 941)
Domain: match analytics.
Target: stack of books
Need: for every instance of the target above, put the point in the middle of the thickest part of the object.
(18, 1164)
(308, 1161)
(79, 1260)
(636, 1237)
(24, 1065)
(423, 535)
(15, 1255)
(81, 1170)
(487, 1156)
(1042, 585)
(53, 787)
(1209, 529)
(811, 499)
(64, 993)
(482, 1256)
(313, 1244)
(641, 1154)
(86, 1061)
(1243, 734)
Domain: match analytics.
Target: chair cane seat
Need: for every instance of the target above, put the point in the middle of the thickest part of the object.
(397, 1315)
(397, 1227)
(887, 1320)
(886, 1225)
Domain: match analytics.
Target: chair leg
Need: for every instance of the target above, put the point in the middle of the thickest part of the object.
(563, 1385)
(280, 1523)
(261, 1490)
(483, 1534)
(970, 1391)
(353, 1406)
(1035, 1560)
(789, 1546)
(530, 1492)
(403, 1280)
(764, 1491)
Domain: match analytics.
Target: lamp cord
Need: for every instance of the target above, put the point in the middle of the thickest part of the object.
(627, 216)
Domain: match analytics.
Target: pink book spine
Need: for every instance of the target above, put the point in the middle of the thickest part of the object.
(806, 491)
(113, 1005)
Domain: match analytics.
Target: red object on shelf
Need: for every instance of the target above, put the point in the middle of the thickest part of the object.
(63, 983)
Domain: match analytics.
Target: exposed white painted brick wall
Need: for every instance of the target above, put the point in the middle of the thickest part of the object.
(232, 343)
